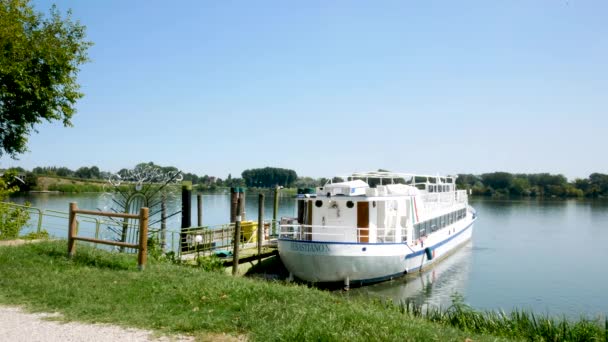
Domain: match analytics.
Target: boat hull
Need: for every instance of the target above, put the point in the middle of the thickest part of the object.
(318, 261)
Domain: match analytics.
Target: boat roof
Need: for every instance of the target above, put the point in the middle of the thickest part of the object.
(393, 175)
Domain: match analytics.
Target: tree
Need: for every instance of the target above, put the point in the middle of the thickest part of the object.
(39, 62)
(497, 180)
(268, 177)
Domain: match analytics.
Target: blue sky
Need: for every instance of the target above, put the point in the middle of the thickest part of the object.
(328, 87)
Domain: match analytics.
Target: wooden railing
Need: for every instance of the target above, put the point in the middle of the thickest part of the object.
(142, 246)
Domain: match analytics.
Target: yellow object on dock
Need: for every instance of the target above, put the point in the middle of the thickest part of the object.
(249, 230)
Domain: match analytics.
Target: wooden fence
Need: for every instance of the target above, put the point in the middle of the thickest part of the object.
(142, 246)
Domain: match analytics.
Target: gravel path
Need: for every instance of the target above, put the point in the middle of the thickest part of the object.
(17, 325)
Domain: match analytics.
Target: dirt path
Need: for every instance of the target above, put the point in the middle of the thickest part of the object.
(17, 325)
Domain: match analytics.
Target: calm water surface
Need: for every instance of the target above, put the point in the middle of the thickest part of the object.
(547, 256)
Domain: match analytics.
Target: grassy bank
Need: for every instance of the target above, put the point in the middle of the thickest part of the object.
(71, 185)
(101, 287)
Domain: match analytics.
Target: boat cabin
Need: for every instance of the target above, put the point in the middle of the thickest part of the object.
(390, 211)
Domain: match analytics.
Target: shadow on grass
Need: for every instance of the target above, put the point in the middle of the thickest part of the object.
(271, 268)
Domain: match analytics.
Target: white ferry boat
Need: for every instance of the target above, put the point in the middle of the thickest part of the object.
(375, 226)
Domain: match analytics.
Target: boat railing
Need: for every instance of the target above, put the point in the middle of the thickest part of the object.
(342, 234)
(447, 198)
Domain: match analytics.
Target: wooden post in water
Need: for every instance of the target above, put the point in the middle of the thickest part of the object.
(242, 197)
(301, 204)
(72, 229)
(199, 207)
(275, 210)
(237, 239)
(163, 223)
(142, 255)
(260, 225)
(234, 196)
(186, 212)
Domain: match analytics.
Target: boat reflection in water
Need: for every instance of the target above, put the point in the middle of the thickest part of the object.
(434, 286)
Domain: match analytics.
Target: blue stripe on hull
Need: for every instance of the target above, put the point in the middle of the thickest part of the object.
(441, 243)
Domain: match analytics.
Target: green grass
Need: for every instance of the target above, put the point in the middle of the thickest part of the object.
(76, 188)
(97, 286)
(518, 324)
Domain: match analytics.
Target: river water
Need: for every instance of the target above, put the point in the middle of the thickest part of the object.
(548, 256)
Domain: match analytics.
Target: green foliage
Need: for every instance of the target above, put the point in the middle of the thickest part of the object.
(518, 324)
(76, 188)
(538, 184)
(12, 220)
(519, 186)
(42, 235)
(269, 177)
(497, 180)
(466, 181)
(88, 172)
(210, 263)
(39, 62)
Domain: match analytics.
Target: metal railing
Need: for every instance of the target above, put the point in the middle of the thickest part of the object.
(213, 238)
(169, 240)
(342, 233)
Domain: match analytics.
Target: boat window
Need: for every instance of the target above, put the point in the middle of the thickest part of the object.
(350, 204)
(318, 203)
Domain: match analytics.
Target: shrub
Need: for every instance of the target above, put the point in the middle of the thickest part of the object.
(12, 220)
(210, 263)
(42, 235)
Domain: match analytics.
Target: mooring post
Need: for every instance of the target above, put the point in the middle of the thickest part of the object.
(199, 208)
(72, 229)
(260, 225)
(186, 212)
(163, 223)
(300, 206)
(237, 239)
(234, 196)
(242, 197)
(275, 210)
(142, 256)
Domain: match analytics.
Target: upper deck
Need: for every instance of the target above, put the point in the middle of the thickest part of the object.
(380, 207)
(358, 183)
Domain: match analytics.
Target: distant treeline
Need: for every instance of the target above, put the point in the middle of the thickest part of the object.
(487, 184)
(537, 184)
(260, 178)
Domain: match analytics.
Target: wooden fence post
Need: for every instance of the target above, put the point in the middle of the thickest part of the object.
(72, 229)
(260, 225)
(237, 239)
(143, 239)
